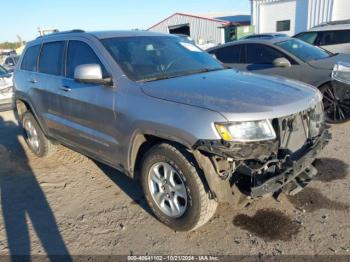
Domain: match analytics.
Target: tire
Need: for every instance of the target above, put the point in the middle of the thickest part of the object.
(337, 109)
(35, 138)
(196, 208)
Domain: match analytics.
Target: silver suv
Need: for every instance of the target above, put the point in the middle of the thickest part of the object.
(332, 36)
(168, 114)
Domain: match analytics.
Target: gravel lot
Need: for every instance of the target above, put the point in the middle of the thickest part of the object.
(68, 203)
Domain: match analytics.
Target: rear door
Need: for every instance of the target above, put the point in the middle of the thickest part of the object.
(46, 85)
(87, 109)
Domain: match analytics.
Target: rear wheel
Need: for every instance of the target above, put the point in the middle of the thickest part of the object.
(174, 190)
(35, 137)
(336, 106)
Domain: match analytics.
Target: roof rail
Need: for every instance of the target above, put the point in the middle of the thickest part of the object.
(339, 22)
(64, 32)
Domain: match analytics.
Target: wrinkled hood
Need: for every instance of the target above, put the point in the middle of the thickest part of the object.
(236, 95)
(328, 63)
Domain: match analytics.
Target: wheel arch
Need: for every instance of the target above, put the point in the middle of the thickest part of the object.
(21, 106)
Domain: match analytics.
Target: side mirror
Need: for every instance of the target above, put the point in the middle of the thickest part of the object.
(90, 74)
(281, 62)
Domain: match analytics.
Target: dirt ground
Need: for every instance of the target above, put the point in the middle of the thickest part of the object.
(69, 204)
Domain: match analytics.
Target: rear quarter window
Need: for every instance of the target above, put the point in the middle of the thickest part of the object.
(335, 37)
(30, 58)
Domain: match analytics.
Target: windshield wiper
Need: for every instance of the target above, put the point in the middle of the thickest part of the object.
(186, 73)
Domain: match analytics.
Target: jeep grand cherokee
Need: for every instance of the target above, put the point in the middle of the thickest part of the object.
(168, 114)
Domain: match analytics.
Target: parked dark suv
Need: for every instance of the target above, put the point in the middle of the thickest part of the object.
(168, 114)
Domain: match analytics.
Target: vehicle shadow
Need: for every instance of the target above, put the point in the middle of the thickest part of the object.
(22, 200)
(130, 186)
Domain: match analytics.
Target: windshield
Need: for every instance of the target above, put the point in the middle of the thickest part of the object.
(302, 50)
(151, 58)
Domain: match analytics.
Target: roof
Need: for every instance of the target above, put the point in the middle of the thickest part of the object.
(105, 34)
(335, 25)
(270, 41)
(224, 20)
(125, 33)
(265, 35)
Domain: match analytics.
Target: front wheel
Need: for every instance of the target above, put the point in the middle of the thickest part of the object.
(336, 105)
(174, 190)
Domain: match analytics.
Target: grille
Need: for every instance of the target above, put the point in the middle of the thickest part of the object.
(296, 130)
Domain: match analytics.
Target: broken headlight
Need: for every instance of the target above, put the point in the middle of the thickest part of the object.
(247, 131)
(341, 72)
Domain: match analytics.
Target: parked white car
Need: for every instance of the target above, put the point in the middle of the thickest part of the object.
(6, 90)
(333, 36)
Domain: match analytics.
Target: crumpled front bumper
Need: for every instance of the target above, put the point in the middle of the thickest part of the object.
(297, 170)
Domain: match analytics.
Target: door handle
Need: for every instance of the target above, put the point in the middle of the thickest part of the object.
(33, 81)
(66, 88)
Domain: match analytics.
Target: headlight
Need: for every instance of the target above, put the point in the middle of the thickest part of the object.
(246, 131)
(341, 72)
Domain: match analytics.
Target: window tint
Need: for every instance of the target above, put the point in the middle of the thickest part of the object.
(283, 25)
(51, 58)
(30, 58)
(229, 54)
(309, 37)
(261, 54)
(80, 53)
(335, 37)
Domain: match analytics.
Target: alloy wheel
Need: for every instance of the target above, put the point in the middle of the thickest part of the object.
(168, 189)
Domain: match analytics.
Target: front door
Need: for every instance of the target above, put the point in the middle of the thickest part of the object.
(87, 109)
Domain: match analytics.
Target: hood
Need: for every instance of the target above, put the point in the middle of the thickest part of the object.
(238, 96)
(328, 63)
(6, 81)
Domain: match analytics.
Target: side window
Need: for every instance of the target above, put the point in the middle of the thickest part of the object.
(261, 54)
(30, 58)
(309, 37)
(80, 53)
(51, 58)
(229, 54)
(335, 37)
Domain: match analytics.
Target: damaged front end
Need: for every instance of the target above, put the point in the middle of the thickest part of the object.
(272, 166)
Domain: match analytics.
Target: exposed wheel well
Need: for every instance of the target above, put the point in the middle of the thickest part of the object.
(21, 108)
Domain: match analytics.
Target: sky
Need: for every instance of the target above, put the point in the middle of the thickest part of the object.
(23, 17)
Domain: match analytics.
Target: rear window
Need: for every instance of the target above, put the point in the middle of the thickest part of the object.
(52, 58)
(229, 54)
(335, 37)
(30, 58)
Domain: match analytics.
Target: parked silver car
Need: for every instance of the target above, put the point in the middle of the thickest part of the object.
(10, 62)
(166, 113)
(332, 36)
(295, 59)
(6, 90)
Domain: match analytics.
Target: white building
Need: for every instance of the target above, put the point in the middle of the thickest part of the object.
(294, 16)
